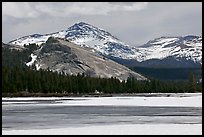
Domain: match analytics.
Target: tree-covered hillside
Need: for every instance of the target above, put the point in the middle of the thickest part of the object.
(19, 79)
(12, 57)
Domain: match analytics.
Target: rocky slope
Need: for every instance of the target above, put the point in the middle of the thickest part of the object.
(63, 56)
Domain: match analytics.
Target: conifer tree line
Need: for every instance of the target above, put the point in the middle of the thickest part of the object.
(17, 79)
(11, 57)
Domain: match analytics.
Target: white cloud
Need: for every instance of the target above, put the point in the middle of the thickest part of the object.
(132, 22)
(18, 10)
(63, 9)
(136, 6)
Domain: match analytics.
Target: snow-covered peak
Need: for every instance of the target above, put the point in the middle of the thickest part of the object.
(85, 28)
(188, 47)
(193, 41)
(86, 35)
(162, 41)
(189, 40)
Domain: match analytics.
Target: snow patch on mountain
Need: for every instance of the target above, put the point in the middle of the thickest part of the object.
(164, 41)
(34, 57)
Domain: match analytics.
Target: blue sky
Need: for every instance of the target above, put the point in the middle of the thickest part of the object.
(135, 23)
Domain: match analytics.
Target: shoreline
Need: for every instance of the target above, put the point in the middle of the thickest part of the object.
(23, 94)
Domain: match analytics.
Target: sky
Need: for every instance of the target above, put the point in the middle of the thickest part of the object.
(134, 23)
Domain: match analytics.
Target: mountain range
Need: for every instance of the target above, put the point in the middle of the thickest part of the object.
(170, 51)
(163, 52)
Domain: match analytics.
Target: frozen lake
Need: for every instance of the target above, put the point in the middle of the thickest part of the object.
(70, 115)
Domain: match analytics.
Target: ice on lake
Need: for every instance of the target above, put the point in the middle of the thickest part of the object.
(145, 114)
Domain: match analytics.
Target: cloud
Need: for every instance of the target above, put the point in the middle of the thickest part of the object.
(132, 22)
(129, 6)
(63, 9)
(18, 10)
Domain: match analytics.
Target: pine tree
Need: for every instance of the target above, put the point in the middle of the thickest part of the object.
(192, 82)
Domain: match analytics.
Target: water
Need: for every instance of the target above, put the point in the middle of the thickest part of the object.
(42, 114)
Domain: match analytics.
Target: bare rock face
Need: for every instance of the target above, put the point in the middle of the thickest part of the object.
(63, 56)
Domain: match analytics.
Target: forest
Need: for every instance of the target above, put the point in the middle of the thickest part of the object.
(18, 79)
